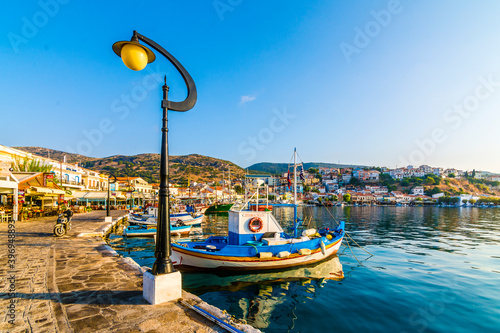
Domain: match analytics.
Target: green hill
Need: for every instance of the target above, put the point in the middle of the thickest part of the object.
(279, 168)
(195, 167)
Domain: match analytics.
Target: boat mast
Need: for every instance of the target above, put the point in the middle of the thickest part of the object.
(230, 196)
(294, 177)
(295, 224)
(245, 185)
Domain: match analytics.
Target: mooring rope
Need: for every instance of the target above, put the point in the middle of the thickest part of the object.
(353, 252)
(346, 232)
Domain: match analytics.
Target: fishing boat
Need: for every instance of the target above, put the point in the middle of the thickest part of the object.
(256, 242)
(224, 205)
(219, 208)
(186, 219)
(150, 231)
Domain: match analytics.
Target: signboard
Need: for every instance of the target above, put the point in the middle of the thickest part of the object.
(112, 187)
(48, 179)
(61, 199)
(20, 196)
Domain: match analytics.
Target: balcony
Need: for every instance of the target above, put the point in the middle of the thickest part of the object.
(73, 184)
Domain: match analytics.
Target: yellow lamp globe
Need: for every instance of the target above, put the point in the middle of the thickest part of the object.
(134, 57)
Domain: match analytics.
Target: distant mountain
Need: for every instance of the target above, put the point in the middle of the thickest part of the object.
(196, 167)
(279, 168)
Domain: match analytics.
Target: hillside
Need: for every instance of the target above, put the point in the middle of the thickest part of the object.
(196, 167)
(56, 154)
(279, 168)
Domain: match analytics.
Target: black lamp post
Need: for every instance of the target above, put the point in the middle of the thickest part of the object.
(110, 175)
(131, 189)
(136, 57)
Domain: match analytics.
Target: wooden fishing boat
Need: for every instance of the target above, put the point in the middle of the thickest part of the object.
(174, 218)
(150, 231)
(257, 242)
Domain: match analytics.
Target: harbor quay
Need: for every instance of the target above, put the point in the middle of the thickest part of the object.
(76, 283)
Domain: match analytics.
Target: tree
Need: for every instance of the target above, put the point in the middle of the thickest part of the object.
(405, 182)
(465, 201)
(430, 181)
(312, 170)
(239, 189)
(320, 199)
(355, 181)
(473, 173)
(347, 197)
(451, 175)
(472, 201)
(28, 165)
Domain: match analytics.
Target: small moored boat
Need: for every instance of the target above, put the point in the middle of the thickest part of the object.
(150, 231)
(256, 242)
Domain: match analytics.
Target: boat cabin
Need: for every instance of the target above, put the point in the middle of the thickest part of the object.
(250, 226)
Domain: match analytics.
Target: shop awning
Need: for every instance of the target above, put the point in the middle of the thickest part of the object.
(78, 194)
(35, 190)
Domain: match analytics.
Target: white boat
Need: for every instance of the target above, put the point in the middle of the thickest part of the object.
(257, 242)
(150, 231)
(185, 218)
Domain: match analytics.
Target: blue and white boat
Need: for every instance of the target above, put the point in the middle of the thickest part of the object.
(257, 242)
(151, 219)
(150, 231)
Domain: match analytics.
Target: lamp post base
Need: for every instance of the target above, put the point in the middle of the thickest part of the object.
(161, 288)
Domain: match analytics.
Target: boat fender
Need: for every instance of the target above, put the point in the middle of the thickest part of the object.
(323, 247)
(211, 248)
(263, 255)
(283, 254)
(304, 252)
(255, 224)
(308, 232)
(329, 237)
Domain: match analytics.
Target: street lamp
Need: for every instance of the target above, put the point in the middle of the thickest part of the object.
(110, 175)
(136, 56)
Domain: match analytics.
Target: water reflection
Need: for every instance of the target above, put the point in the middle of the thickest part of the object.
(419, 252)
(259, 298)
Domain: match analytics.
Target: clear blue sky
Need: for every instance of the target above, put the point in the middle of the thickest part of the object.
(381, 83)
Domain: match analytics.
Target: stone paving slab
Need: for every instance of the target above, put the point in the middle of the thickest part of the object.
(76, 284)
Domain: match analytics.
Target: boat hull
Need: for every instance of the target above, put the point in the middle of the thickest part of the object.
(224, 208)
(151, 232)
(186, 220)
(186, 258)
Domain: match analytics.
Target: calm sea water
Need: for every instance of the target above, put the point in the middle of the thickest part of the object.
(432, 270)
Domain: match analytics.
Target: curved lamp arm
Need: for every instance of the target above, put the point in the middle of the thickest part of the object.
(190, 100)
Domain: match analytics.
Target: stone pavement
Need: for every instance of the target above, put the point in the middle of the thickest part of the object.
(78, 284)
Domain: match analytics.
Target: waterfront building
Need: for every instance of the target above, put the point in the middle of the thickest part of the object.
(417, 190)
(9, 191)
(138, 183)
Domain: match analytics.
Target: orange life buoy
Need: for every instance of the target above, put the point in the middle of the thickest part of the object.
(255, 224)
